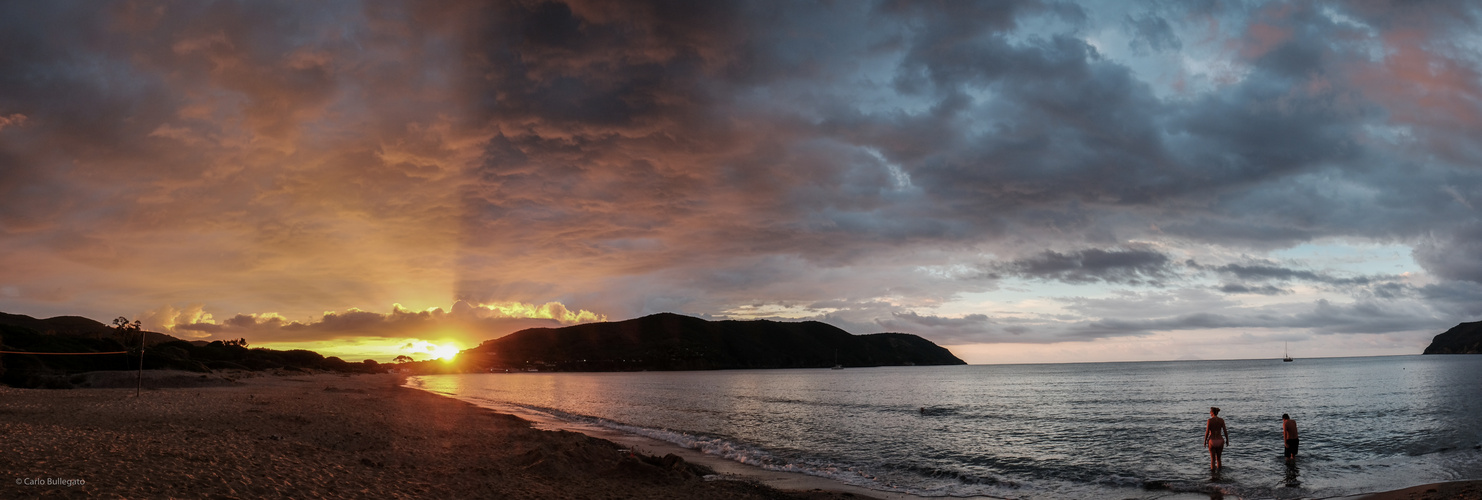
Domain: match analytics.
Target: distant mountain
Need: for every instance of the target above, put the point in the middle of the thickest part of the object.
(1465, 338)
(73, 327)
(70, 326)
(674, 342)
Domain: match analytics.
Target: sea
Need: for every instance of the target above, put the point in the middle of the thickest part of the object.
(1033, 431)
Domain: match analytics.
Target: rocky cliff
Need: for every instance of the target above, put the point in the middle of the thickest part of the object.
(1465, 338)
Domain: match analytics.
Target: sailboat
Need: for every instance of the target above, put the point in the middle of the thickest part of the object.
(837, 366)
(1286, 356)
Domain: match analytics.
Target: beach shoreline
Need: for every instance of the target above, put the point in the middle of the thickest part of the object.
(782, 480)
(1458, 490)
(320, 436)
(363, 436)
(1450, 490)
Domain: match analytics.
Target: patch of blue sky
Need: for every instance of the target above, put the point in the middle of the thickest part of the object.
(1353, 257)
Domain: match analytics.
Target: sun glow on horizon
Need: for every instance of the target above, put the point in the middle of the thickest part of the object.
(445, 352)
(380, 349)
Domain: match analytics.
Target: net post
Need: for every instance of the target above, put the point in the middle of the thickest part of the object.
(139, 389)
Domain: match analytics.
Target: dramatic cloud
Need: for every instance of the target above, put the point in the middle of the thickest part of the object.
(1254, 277)
(1262, 289)
(977, 172)
(1089, 266)
(1457, 255)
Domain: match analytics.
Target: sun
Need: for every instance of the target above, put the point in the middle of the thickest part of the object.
(445, 352)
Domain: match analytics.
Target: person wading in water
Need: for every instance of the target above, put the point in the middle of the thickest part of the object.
(1215, 437)
(1289, 434)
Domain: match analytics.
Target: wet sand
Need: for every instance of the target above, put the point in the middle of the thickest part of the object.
(320, 436)
(1457, 490)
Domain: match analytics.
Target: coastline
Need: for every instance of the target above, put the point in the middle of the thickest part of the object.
(368, 436)
(781, 480)
(797, 481)
(323, 435)
(1451, 490)
(1458, 490)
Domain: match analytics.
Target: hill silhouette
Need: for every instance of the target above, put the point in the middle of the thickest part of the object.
(669, 341)
(73, 327)
(1464, 338)
(74, 334)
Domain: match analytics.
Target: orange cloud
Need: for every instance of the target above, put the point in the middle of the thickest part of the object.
(468, 323)
(12, 120)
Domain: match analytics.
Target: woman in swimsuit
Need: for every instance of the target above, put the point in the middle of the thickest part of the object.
(1215, 437)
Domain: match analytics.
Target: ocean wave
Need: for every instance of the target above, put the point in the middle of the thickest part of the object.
(1184, 486)
(959, 477)
(1030, 432)
(1123, 481)
(948, 483)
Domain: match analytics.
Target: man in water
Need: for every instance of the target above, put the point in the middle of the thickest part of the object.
(1215, 437)
(1289, 433)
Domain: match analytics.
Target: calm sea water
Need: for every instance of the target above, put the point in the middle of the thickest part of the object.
(1096, 430)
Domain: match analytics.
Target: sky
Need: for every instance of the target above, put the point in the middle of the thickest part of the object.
(1021, 181)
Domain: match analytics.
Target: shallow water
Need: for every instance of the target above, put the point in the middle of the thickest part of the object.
(1109, 430)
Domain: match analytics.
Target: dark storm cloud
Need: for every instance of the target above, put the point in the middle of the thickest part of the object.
(1458, 298)
(651, 130)
(1065, 125)
(1259, 272)
(1130, 266)
(1267, 270)
(852, 162)
(1389, 291)
(1456, 256)
(61, 89)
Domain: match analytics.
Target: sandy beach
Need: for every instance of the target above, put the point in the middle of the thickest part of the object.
(1457, 490)
(363, 436)
(319, 436)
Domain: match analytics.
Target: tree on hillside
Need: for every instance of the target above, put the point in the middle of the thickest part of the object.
(126, 330)
(238, 342)
(403, 359)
